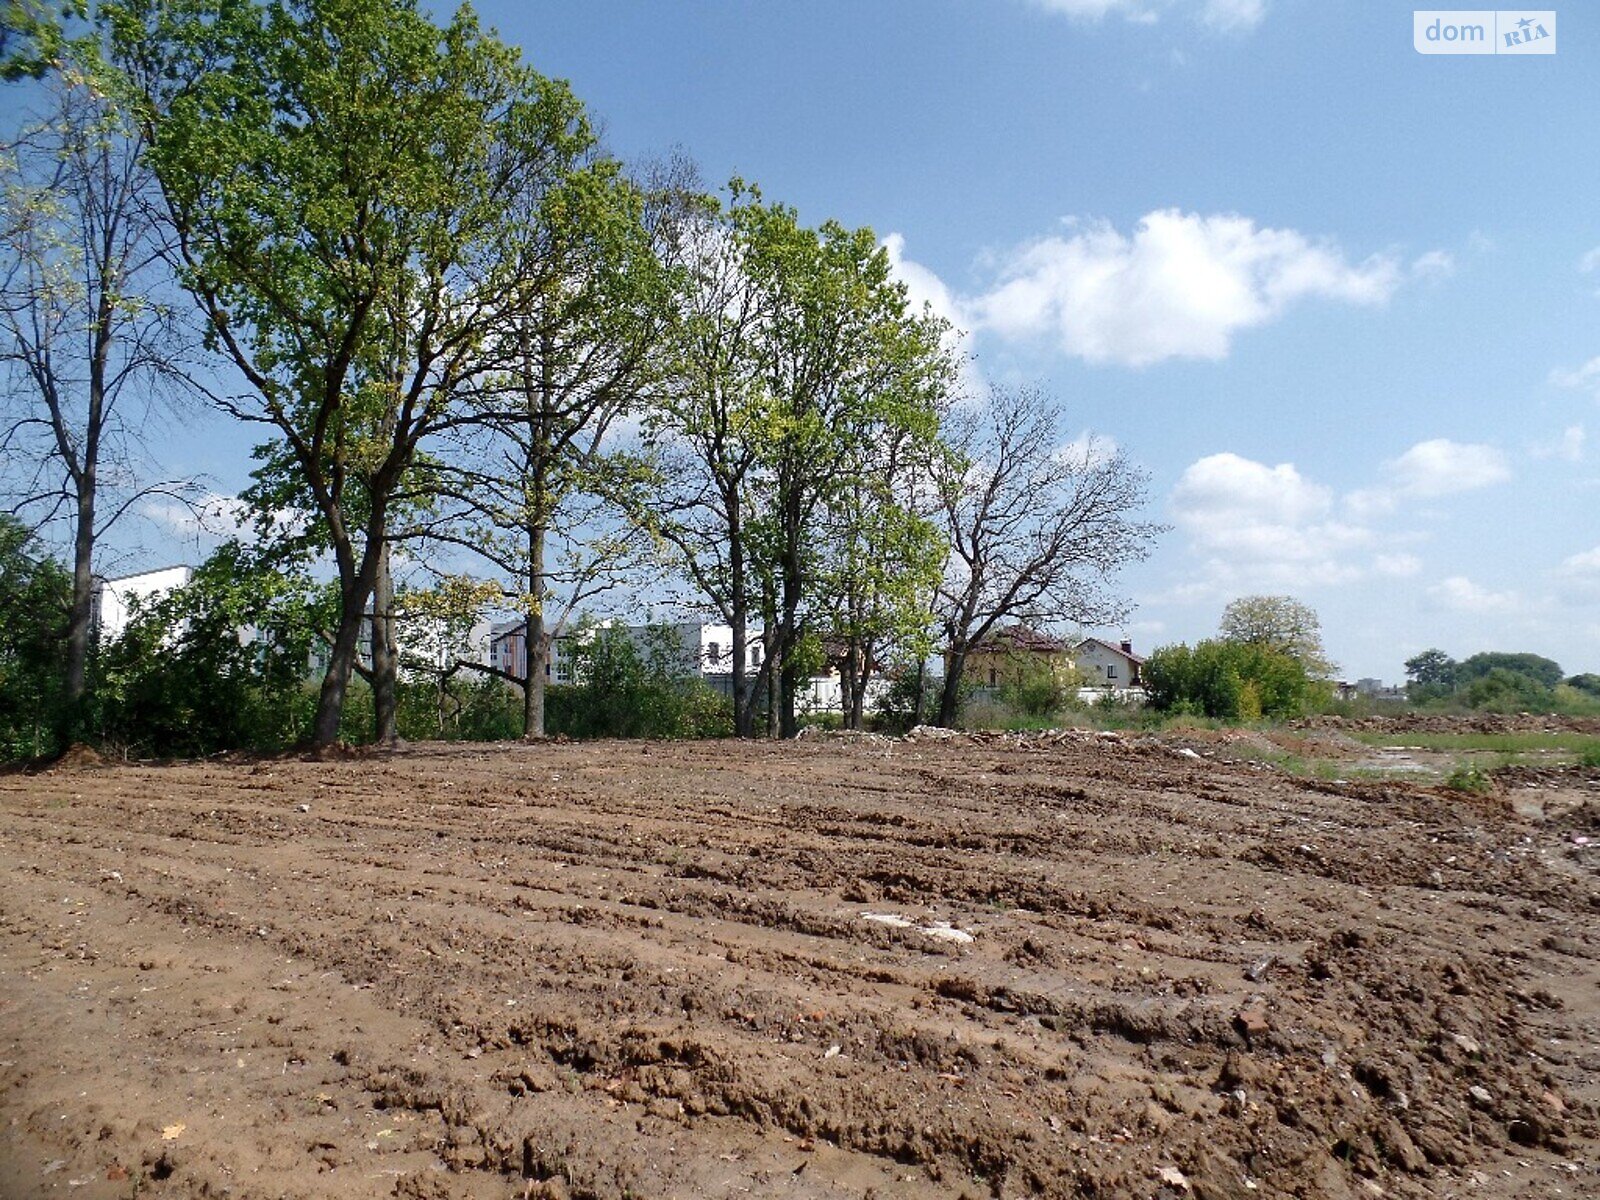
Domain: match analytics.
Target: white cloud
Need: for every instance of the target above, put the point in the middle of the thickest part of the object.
(213, 517)
(1180, 286)
(1460, 594)
(1088, 448)
(1397, 566)
(1430, 469)
(924, 287)
(1435, 264)
(1222, 14)
(1578, 577)
(1440, 467)
(1586, 377)
(1589, 261)
(1256, 525)
(1569, 447)
(1586, 562)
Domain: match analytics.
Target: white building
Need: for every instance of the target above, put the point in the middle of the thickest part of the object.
(697, 647)
(116, 599)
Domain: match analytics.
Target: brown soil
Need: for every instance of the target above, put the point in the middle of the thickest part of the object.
(611, 970)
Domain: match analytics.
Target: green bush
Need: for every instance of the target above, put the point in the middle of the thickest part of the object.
(1230, 681)
(619, 691)
(221, 664)
(898, 708)
(35, 595)
(1469, 778)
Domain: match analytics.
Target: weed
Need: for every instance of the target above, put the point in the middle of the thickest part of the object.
(1469, 778)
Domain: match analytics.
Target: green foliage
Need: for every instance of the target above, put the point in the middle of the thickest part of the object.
(898, 707)
(33, 35)
(35, 593)
(620, 690)
(1500, 682)
(1432, 669)
(221, 664)
(1040, 689)
(1590, 757)
(347, 180)
(1281, 624)
(1228, 680)
(1470, 778)
(1540, 670)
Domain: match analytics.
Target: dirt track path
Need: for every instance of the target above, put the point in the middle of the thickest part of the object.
(644, 970)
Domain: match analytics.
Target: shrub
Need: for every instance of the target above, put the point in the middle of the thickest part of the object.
(1469, 778)
(1231, 681)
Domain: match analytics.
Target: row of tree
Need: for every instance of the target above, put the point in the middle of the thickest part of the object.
(1499, 681)
(470, 338)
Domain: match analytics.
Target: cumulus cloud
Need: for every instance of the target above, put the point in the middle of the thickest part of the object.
(1585, 378)
(1181, 285)
(1568, 447)
(1577, 579)
(1440, 467)
(1397, 566)
(1431, 469)
(1460, 594)
(1435, 264)
(1222, 14)
(1089, 448)
(212, 516)
(1256, 525)
(925, 288)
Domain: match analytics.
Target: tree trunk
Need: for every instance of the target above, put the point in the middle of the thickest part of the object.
(385, 656)
(950, 697)
(738, 612)
(537, 640)
(858, 700)
(80, 618)
(355, 587)
(341, 664)
(849, 711)
(922, 683)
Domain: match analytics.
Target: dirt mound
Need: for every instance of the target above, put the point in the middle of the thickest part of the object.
(77, 757)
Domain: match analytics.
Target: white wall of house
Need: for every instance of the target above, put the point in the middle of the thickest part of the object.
(1104, 666)
(115, 599)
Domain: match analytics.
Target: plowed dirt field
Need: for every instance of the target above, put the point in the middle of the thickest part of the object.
(1071, 966)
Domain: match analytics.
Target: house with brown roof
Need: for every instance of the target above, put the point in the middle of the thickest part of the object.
(1108, 665)
(1009, 656)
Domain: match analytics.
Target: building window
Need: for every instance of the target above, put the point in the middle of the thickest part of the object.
(1111, 671)
(994, 677)
(713, 652)
(755, 655)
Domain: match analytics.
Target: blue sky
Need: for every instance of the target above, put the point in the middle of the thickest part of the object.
(1342, 300)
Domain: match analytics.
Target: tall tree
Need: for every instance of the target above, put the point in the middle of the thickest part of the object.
(706, 429)
(342, 176)
(797, 351)
(846, 367)
(1279, 623)
(1037, 528)
(554, 382)
(89, 341)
